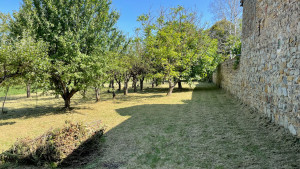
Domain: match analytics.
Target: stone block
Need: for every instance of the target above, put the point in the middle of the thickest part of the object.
(292, 129)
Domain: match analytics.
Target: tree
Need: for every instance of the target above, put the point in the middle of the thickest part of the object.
(142, 68)
(208, 61)
(96, 73)
(74, 29)
(221, 31)
(104, 65)
(24, 58)
(229, 10)
(173, 43)
(126, 65)
(228, 13)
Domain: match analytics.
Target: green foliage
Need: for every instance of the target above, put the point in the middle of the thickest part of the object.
(53, 147)
(78, 34)
(229, 44)
(236, 45)
(4, 26)
(236, 62)
(222, 31)
(237, 51)
(176, 47)
(208, 61)
(23, 58)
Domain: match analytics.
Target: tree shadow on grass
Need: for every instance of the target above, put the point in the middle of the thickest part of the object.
(7, 123)
(163, 90)
(15, 97)
(129, 97)
(31, 112)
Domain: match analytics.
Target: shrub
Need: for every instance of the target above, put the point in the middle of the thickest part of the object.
(55, 146)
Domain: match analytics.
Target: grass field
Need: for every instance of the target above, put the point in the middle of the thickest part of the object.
(194, 128)
(16, 90)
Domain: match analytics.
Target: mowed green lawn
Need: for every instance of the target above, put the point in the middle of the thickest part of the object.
(203, 127)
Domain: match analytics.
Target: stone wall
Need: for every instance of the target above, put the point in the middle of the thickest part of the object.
(226, 76)
(268, 77)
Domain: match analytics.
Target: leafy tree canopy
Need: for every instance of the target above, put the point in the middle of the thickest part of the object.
(75, 30)
(176, 44)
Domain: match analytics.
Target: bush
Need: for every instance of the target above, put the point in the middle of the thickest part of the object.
(55, 146)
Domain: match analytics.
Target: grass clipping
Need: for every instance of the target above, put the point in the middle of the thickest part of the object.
(56, 146)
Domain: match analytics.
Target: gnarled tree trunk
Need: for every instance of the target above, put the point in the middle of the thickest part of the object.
(67, 102)
(67, 95)
(171, 87)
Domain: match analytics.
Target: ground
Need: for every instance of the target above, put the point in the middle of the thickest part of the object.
(202, 127)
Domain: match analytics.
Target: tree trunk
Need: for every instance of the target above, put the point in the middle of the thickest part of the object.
(67, 102)
(28, 90)
(97, 92)
(153, 83)
(120, 86)
(171, 87)
(84, 94)
(134, 83)
(67, 97)
(125, 87)
(114, 95)
(156, 82)
(179, 84)
(3, 112)
(112, 83)
(142, 83)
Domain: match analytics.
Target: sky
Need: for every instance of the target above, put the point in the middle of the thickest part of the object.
(131, 9)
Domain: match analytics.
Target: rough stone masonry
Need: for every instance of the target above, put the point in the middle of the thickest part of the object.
(268, 76)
